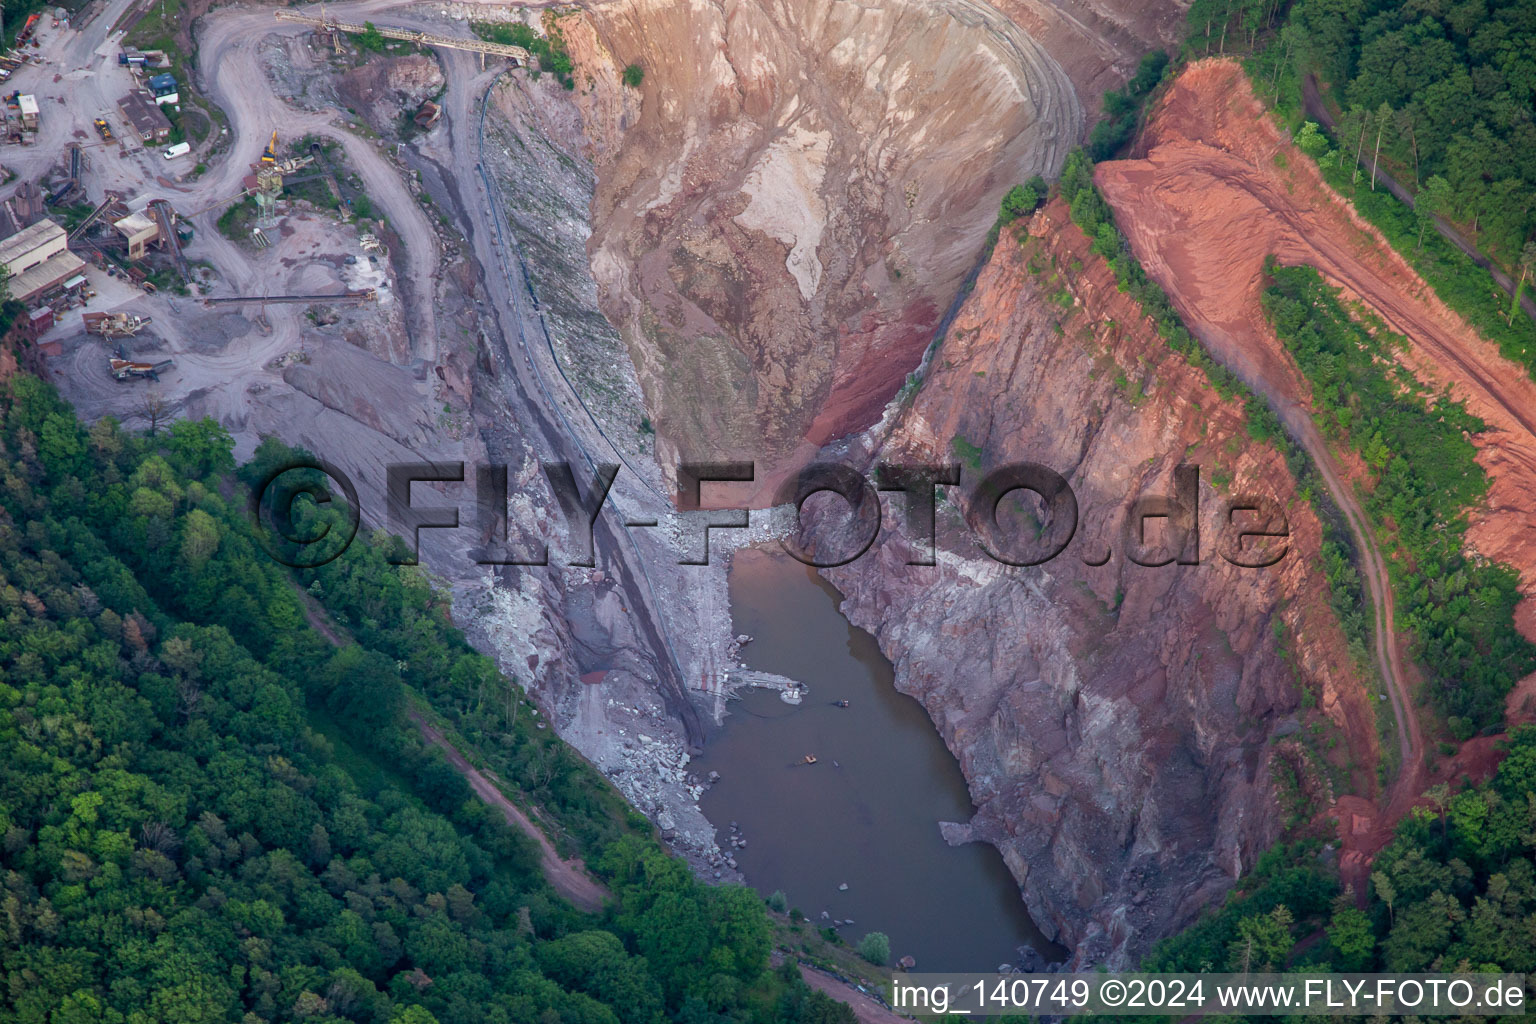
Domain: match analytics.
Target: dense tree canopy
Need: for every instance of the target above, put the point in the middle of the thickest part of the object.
(1416, 443)
(210, 812)
(1442, 88)
(1454, 891)
(1457, 82)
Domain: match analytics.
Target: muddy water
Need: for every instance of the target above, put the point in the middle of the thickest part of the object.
(867, 812)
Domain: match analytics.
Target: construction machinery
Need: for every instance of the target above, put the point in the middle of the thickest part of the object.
(115, 325)
(269, 159)
(330, 26)
(103, 129)
(269, 181)
(165, 218)
(71, 184)
(25, 35)
(111, 200)
(64, 192)
(123, 369)
(294, 163)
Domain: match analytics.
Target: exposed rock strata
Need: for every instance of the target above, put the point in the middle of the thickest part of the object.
(780, 228)
(1114, 723)
(1215, 188)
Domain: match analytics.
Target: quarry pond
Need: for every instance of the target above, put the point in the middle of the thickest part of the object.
(867, 812)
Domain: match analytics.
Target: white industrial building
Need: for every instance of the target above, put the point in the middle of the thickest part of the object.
(37, 259)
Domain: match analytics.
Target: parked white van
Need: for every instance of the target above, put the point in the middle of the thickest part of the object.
(180, 149)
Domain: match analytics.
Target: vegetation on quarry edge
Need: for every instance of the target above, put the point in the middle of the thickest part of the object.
(1464, 886)
(214, 811)
(1415, 443)
(1454, 891)
(1434, 100)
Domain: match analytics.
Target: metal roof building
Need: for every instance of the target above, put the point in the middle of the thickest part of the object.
(45, 276)
(31, 246)
(37, 260)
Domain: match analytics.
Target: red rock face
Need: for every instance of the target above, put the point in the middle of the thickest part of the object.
(1116, 723)
(1209, 198)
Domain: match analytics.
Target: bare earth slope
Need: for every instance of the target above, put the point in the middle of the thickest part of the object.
(1116, 724)
(1206, 201)
(806, 184)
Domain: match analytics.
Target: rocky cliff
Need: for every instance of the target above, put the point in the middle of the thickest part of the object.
(1116, 723)
(781, 226)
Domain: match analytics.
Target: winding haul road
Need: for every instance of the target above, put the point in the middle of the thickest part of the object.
(227, 46)
(547, 408)
(1206, 201)
(542, 402)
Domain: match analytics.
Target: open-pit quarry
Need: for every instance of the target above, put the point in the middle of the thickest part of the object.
(744, 256)
(779, 230)
(1213, 188)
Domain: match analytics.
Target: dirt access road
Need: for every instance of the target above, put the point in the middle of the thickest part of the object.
(866, 1009)
(569, 877)
(550, 413)
(233, 79)
(1213, 190)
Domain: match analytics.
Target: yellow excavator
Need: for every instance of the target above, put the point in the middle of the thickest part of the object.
(270, 154)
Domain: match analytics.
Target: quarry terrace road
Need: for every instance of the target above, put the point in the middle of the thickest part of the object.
(558, 424)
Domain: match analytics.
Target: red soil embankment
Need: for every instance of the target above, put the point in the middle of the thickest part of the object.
(1216, 188)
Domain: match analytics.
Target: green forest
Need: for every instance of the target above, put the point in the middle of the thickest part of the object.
(1439, 89)
(1444, 90)
(1396, 77)
(1417, 446)
(1455, 890)
(213, 811)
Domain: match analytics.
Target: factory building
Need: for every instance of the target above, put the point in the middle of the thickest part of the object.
(141, 111)
(138, 229)
(37, 260)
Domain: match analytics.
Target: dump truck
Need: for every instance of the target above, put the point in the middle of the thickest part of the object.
(114, 325)
(123, 369)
